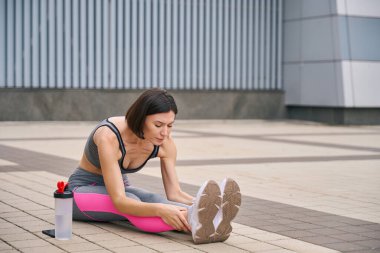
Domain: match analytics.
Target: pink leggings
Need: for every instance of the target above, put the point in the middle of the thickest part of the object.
(102, 204)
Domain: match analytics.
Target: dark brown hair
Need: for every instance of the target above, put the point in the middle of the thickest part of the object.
(150, 102)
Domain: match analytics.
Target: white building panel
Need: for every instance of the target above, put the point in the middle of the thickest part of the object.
(367, 8)
(366, 84)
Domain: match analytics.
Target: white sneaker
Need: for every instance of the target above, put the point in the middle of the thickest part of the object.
(231, 201)
(202, 213)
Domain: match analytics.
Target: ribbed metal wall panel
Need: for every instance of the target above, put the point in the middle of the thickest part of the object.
(138, 44)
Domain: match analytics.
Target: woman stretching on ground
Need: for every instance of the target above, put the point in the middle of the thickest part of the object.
(121, 145)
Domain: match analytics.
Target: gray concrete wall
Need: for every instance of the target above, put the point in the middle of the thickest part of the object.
(335, 116)
(27, 105)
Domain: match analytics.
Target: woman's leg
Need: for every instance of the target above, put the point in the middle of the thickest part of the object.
(92, 203)
(149, 197)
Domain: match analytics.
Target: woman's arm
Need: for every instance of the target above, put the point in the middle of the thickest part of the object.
(108, 150)
(169, 175)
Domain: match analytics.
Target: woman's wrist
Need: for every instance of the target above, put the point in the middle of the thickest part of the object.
(158, 209)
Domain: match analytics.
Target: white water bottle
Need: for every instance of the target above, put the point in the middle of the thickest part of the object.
(63, 212)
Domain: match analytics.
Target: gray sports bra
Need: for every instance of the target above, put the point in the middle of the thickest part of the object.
(91, 150)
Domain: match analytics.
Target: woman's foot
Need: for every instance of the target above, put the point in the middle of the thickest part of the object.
(231, 201)
(202, 213)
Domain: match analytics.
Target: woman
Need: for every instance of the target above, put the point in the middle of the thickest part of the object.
(122, 145)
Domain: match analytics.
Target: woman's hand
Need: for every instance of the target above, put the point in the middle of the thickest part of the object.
(174, 216)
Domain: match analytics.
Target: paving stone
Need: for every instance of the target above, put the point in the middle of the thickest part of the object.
(12, 214)
(374, 244)
(238, 239)
(122, 242)
(325, 231)
(82, 224)
(257, 246)
(299, 233)
(375, 227)
(279, 251)
(13, 230)
(364, 251)
(267, 237)
(320, 240)
(74, 239)
(36, 222)
(177, 236)
(18, 237)
(246, 230)
(169, 246)
(41, 211)
(38, 228)
(304, 226)
(47, 217)
(98, 251)
(17, 201)
(346, 246)
(354, 229)
(218, 247)
(256, 223)
(372, 234)
(301, 247)
(276, 228)
(29, 243)
(285, 221)
(22, 219)
(354, 222)
(7, 225)
(30, 207)
(50, 249)
(79, 247)
(350, 237)
(88, 231)
(5, 246)
(139, 249)
(151, 239)
(332, 224)
(129, 234)
(101, 237)
(6, 208)
(188, 251)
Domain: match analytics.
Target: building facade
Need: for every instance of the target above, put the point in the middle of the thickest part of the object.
(85, 60)
(332, 60)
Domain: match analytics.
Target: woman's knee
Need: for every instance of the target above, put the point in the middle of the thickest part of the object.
(155, 198)
(150, 197)
(132, 196)
(146, 196)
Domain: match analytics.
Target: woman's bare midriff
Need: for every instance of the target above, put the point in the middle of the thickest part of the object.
(87, 166)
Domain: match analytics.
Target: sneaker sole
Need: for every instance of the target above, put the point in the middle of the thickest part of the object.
(230, 207)
(208, 206)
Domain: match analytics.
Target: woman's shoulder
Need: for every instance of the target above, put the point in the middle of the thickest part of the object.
(168, 148)
(116, 119)
(104, 135)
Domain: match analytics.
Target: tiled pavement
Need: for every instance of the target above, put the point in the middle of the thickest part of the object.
(306, 187)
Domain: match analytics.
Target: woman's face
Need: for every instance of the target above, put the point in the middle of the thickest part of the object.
(158, 127)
